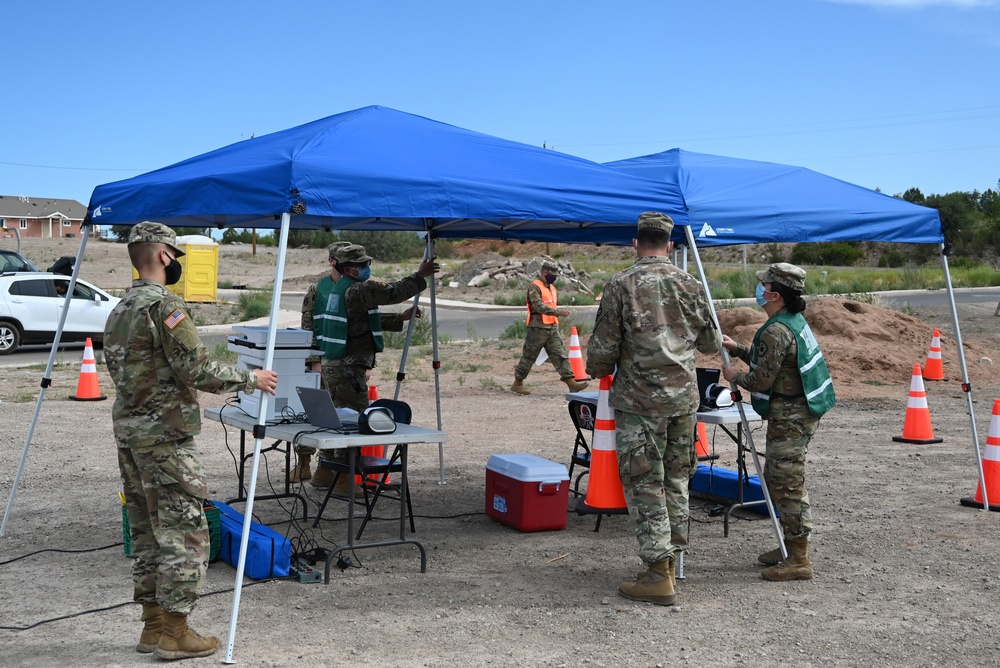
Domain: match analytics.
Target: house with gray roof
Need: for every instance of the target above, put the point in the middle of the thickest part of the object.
(41, 217)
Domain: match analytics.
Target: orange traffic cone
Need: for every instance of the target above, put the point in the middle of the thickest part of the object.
(371, 450)
(701, 442)
(605, 494)
(917, 425)
(932, 367)
(576, 357)
(991, 466)
(86, 388)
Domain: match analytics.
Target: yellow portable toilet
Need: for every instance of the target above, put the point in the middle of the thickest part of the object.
(200, 269)
(200, 278)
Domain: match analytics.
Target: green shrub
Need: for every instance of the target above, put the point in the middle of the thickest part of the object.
(891, 258)
(254, 303)
(836, 253)
(518, 329)
(387, 246)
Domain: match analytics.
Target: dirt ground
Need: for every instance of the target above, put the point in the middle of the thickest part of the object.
(905, 576)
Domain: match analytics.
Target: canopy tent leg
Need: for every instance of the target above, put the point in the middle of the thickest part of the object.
(966, 385)
(47, 377)
(739, 404)
(437, 357)
(272, 328)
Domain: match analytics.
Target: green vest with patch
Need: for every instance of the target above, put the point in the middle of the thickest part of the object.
(816, 382)
(330, 318)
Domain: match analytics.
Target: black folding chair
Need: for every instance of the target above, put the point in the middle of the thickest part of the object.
(582, 415)
(375, 472)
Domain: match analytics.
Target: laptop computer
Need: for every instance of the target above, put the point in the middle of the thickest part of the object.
(321, 412)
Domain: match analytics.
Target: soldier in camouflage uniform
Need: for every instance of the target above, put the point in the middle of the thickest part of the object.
(652, 318)
(543, 331)
(304, 453)
(158, 364)
(790, 388)
(350, 327)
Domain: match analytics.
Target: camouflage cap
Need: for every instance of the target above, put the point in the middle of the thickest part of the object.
(787, 274)
(657, 221)
(154, 233)
(352, 254)
(550, 265)
(332, 249)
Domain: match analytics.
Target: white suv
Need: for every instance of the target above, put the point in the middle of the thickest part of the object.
(31, 303)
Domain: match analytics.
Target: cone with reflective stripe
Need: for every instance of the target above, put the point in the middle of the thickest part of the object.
(86, 388)
(576, 357)
(604, 485)
(933, 370)
(917, 425)
(371, 450)
(991, 466)
(701, 442)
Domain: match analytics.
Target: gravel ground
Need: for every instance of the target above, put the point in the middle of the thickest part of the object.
(905, 576)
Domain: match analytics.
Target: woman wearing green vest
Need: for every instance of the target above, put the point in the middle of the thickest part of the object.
(790, 387)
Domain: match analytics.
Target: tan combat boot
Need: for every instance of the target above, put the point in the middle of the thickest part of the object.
(301, 473)
(771, 557)
(656, 585)
(179, 641)
(795, 567)
(323, 477)
(519, 387)
(343, 488)
(575, 385)
(152, 615)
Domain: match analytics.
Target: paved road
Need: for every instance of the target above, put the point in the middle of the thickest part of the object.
(487, 322)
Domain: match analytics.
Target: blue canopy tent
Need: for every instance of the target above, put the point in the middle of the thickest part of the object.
(735, 201)
(377, 169)
(380, 169)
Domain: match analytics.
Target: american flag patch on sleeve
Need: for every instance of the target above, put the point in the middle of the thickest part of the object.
(174, 319)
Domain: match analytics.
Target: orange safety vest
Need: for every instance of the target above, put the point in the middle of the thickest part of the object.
(549, 299)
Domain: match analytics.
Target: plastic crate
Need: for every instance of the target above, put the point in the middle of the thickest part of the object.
(214, 531)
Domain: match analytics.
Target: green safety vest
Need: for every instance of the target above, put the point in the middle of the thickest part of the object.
(330, 318)
(816, 381)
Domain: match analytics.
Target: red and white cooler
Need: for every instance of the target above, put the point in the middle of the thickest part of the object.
(527, 492)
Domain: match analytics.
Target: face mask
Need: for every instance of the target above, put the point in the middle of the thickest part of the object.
(173, 272)
(364, 273)
(760, 294)
(550, 278)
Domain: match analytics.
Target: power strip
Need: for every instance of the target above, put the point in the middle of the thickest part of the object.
(305, 573)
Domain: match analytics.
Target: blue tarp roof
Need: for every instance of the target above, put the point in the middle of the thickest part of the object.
(380, 169)
(735, 201)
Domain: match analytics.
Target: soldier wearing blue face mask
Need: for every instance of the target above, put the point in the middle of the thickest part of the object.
(349, 327)
(790, 387)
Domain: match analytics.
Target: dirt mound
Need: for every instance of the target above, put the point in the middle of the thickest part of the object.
(866, 346)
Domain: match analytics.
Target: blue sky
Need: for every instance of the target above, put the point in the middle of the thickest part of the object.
(888, 94)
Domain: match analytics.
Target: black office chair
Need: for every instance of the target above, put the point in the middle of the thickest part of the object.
(375, 471)
(582, 415)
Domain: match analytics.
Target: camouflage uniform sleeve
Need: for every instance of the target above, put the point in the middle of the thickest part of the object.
(742, 352)
(709, 341)
(188, 358)
(377, 293)
(604, 347)
(308, 304)
(537, 305)
(392, 322)
(775, 342)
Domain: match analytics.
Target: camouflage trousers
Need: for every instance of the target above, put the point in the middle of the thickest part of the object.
(165, 491)
(549, 339)
(337, 378)
(785, 472)
(656, 459)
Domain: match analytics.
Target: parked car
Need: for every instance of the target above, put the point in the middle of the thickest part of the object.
(31, 303)
(11, 261)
